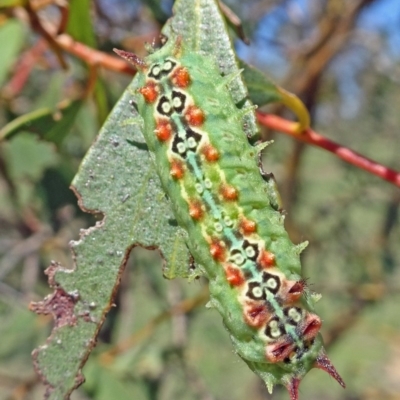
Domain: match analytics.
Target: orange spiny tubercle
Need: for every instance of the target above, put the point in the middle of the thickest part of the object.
(267, 259)
(228, 192)
(149, 91)
(210, 153)
(234, 276)
(181, 77)
(298, 287)
(247, 226)
(194, 116)
(163, 130)
(177, 169)
(217, 251)
(196, 210)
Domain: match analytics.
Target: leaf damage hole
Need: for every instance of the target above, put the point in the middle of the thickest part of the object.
(59, 304)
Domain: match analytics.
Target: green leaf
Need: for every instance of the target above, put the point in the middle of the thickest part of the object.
(261, 90)
(63, 123)
(117, 178)
(100, 97)
(52, 124)
(11, 39)
(18, 333)
(80, 25)
(27, 157)
(158, 11)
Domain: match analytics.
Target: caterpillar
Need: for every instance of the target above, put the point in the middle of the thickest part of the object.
(235, 229)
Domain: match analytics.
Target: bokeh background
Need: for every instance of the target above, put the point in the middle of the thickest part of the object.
(342, 58)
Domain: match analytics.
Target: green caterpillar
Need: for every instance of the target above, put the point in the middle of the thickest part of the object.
(236, 233)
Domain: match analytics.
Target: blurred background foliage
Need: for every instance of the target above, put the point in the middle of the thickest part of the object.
(342, 58)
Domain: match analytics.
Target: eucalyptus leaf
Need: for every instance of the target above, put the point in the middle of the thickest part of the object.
(11, 39)
(116, 178)
(52, 124)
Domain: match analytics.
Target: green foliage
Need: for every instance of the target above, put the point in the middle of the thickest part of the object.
(60, 120)
(261, 90)
(79, 22)
(12, 39)
(117, 179)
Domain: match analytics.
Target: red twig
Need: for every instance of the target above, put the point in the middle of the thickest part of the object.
(93, 56)
(23, 68)
(311, 137)
(97, 58)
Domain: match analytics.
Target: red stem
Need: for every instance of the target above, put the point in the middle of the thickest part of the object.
(95, 57)
(311, 137)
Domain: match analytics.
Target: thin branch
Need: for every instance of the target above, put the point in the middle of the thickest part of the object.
(21, 73)
(93, 56)
(42, 31)
(99, 58)
(311, 137)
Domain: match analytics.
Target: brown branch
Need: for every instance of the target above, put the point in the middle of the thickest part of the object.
(39, 28)
(92, 56)
(335, 28)
(27, 61)
(311, 137)
(65, 42)
(95, 57)
(308, 65)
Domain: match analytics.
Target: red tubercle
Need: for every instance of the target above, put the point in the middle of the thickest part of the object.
(256, 315)
(228, 192)
(163, 130)
(210, 153)
(194, 116)
(278, 351)
(291, 291)
(234, 275)
(298, 286)
(217, 250)
(196, 210)
(177, 169)
(311, 326)
(181, 77)
(149, 91)
(296, 290)
(266, 259)
(247, 226)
